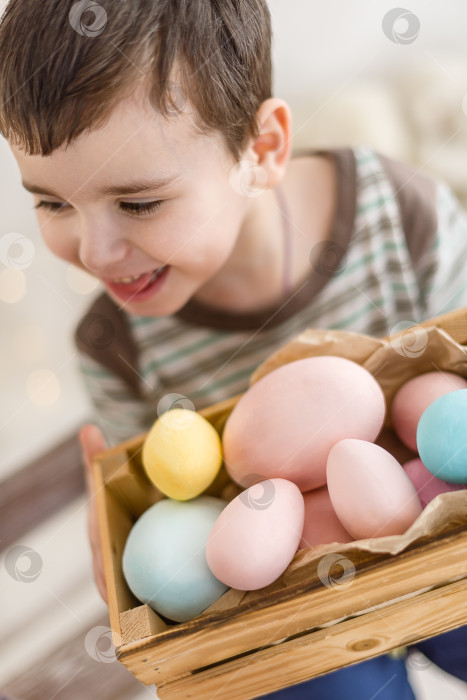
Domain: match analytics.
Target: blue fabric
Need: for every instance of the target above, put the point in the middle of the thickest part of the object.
(448, 651)
(383, 678)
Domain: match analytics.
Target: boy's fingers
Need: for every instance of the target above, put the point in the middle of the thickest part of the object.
(92, 441)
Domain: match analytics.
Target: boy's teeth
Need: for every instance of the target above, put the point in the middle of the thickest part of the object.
(125, 280)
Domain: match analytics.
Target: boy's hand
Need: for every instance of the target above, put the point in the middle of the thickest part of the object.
(92, 442)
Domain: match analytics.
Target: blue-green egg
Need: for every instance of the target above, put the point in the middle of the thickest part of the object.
(442, 437)
(164, 560)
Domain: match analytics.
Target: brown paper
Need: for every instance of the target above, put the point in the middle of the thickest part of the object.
(392, 362)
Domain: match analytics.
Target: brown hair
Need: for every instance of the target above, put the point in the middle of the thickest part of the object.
(64, 65)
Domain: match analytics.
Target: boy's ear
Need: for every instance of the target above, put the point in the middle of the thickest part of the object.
(271, 148)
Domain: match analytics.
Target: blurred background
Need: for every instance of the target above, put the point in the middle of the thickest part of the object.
(353, 74)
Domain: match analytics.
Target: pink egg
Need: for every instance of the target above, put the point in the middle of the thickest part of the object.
(369, 490)
(286, 423)
(427, 485)
(257, 534)
(415, 396)
(322, 526)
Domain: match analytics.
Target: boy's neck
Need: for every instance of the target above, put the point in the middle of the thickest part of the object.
(253, 277)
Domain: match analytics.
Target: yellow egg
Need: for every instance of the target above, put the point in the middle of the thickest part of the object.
(182, 454)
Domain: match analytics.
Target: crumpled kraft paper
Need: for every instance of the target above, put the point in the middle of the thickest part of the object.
(392, 362)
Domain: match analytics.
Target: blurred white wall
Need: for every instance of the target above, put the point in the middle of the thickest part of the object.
(346, 81)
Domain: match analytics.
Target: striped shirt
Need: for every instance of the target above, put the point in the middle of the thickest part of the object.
(397, 254)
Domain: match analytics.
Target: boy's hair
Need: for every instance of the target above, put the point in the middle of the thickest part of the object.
(64, 65)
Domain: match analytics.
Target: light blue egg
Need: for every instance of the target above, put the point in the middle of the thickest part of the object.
(442, 437)
(164, 560)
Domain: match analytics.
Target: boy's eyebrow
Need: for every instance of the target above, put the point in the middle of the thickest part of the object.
(116, 190)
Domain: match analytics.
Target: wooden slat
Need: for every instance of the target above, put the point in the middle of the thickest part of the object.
(70, 673)
(40, 489)
(380, 579)
(326, 650)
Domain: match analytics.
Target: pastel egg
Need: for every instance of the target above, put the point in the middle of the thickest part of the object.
(427, 485)
(182, 454)
(442, 437)
(286, 423)
(256, 536)
(414, 397)
(322, 526)
(164, 560)
(370, 492)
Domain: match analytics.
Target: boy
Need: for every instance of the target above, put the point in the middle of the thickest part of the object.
(160, 164)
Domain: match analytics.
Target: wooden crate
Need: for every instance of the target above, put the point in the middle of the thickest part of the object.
(283, 637)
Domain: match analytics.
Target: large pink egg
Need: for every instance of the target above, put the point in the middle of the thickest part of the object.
(427, 485)
(257, 534)
(322, 526)
(371, 493)
(286, 423)
(414, 397)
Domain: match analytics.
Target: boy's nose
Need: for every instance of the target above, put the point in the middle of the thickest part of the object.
(101, 250)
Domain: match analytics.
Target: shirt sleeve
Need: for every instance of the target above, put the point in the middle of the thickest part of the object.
(442, 269)
(118, 412)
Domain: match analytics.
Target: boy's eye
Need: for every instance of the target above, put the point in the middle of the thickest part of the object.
(135, 208)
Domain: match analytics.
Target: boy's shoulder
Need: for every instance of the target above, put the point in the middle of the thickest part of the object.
(415, 193)
(103, 333)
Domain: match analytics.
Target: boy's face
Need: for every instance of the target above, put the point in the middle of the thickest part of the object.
(190, 231)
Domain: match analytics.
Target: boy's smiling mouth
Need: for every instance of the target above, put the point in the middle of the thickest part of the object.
(138, 287)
